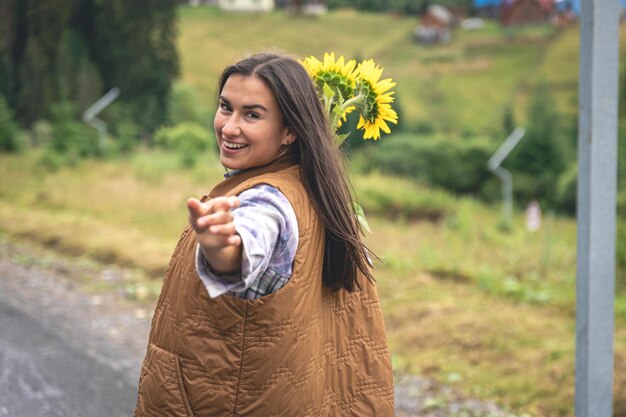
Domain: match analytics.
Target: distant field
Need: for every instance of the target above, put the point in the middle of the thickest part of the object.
(461, 87)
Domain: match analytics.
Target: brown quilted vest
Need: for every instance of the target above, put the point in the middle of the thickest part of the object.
(301, 351)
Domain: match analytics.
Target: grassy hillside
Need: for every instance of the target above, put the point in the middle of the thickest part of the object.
(489, 312)
(461, 87)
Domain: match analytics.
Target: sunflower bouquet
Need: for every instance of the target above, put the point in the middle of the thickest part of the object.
(345, 87)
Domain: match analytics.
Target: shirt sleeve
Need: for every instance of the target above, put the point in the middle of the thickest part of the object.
(267, 225)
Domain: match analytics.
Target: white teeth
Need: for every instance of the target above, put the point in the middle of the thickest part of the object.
(232, 145)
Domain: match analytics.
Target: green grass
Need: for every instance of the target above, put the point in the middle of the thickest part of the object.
(488, 311)
(460, 87)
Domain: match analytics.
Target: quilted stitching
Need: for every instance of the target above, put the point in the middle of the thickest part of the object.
(303, 342)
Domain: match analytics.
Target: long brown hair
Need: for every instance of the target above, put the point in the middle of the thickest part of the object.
(321, 163)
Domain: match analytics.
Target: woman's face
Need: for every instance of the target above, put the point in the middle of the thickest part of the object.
(248, 124)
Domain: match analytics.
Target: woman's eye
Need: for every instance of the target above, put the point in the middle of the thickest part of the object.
(224, 107)
(253, 115)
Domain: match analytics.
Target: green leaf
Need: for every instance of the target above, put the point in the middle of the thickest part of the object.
(337, 110)
(341, 98)
(358, 210)
(328, 92)
(339, 139)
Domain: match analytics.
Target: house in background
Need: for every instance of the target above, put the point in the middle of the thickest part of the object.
(527, 12)
(516, 12)
(306, 7)
(246, 5)
(435, 26)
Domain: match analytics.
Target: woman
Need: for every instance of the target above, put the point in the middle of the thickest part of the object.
(268, 307)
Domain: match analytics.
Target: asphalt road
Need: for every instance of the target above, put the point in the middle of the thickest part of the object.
(45, 374)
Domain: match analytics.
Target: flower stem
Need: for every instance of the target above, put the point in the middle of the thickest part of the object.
(354, 101)
(358, 101)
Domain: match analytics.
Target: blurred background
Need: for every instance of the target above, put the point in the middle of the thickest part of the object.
(472, 300)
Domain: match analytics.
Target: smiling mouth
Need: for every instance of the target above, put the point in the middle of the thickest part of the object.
(234, 146)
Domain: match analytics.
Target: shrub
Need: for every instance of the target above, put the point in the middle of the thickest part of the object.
(127, 136)
(9, 139)
(456, 165)
(188, 139)
(401, 199)
(71, 137)
(41, 133)
(122, 126)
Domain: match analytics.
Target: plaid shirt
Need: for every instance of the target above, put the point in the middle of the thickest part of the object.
(268, 228)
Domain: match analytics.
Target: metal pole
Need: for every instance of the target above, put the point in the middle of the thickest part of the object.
(597, 184)
(89, 116)
(507, 179)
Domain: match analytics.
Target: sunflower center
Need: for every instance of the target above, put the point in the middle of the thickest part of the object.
(336, 81)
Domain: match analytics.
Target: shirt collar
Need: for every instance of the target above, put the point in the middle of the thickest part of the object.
(229, 174)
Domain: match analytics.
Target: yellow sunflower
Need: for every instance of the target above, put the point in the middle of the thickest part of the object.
(336, 74)
(378, 107)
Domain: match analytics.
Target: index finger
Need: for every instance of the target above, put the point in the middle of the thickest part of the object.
(224, 203)
(196, 207)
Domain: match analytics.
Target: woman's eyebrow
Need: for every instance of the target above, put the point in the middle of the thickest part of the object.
(246, 106)
(254, 107)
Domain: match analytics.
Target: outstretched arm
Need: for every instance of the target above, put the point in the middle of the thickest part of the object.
(215, 232)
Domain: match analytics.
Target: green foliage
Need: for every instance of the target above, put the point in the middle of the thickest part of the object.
(126, 137)
(566, 190)
(75, 50)
(9, 140)
(508, 121)
(621, 253)
(41, 133)
(456, 165)
(185, 106)
(78, 79)
(4, 72)
(122, 127)
(402, 199)
(70, 137)
(188, 139)
(540, 158)
(135, 42)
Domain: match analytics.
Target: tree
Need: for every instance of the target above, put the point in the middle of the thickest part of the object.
(135, 43)
(75, 50)
(8, 131)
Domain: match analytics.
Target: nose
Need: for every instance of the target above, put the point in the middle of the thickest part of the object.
(231, 126)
